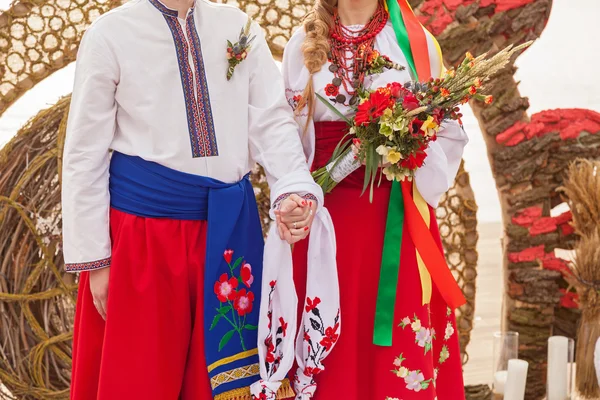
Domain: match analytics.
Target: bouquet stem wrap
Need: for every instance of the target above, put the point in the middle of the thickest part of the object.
(340, 168)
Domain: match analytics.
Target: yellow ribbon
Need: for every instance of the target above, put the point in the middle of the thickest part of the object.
(423, 208)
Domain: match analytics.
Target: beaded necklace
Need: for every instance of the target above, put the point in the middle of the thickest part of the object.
(351, 52)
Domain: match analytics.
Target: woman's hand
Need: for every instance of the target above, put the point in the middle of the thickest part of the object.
(295, 217)
(99, 289)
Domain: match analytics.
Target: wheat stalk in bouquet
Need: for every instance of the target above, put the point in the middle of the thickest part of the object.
(582, 187)
(393, 125)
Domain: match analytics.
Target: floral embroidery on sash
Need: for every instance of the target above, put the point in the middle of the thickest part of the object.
(319, 337)
(236, 302)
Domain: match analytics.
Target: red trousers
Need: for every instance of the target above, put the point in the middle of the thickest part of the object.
(151, 346)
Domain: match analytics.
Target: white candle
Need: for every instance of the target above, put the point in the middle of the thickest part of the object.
(558, 358)
(500, 381)
(516, 380)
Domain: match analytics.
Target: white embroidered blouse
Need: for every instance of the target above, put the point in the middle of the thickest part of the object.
(443, 156)
(153, 85)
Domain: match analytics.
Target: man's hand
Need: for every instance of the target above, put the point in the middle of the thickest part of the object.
(294, 218)
(99, 289)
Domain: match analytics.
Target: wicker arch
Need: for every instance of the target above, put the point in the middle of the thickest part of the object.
(38, 38)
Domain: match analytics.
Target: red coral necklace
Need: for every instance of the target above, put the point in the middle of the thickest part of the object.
(350, 53)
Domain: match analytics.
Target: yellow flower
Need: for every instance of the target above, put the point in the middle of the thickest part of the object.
(469, 56)
(489, 99)
(430, 127)
(403, 372)
(385, 129)
(393, 156)
(382, 150)
(389, 174)
(451, 73)
(416, 325)
(477, 82)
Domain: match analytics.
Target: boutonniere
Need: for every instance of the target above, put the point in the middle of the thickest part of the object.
(236, 53)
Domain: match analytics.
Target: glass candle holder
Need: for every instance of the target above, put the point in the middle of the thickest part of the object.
(506, 347)
(559, 382)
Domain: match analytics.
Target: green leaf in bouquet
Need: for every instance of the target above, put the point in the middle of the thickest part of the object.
(332, 108)
(374, 167)
(367, 170)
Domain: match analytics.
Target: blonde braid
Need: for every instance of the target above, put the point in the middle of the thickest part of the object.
(315, 49)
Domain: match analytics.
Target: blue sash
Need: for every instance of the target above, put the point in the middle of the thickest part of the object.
(234, 239)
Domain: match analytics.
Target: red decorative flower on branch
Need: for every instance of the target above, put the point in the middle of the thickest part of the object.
(243, 302)
(331, 337)
(228, 255)
(225, 288)
(246, 274)
(312, 304)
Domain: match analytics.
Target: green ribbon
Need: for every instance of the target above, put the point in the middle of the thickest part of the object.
(390, 269)
(392, 241)
(401, 34)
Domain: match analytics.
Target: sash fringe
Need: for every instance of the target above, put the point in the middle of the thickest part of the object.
(284, 392)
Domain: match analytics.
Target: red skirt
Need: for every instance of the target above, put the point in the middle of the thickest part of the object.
(151, 346)
(424, 361)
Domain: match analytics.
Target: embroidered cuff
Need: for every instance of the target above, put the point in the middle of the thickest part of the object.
(278, 200)
(88, 266)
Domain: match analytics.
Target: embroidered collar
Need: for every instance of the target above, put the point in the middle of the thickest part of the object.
(169, 11)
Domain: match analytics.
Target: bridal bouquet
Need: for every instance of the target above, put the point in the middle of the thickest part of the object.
(393, 125)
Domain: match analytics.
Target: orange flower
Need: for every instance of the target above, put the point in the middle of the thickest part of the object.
(472, 64)
(374, 55)
(477, 82)
(451, 73)
(489, 99)
(472, 90)
(465, 100)
(444, 92)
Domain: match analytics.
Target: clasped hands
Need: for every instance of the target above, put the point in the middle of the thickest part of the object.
(294, 218)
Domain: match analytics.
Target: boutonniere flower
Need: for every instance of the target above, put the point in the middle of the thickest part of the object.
(236, 53)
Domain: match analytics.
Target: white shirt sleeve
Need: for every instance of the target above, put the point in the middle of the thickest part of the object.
(444, 155)
(90, 131)
(273, 132)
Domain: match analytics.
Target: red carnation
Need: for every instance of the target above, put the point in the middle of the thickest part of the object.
(243, 302)
(410, 102)
(372, 108)
(396, 89)
(312, 304)
(225, 289)
(331, 90)
(228, 255)
(246, 274)
(415, 160)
